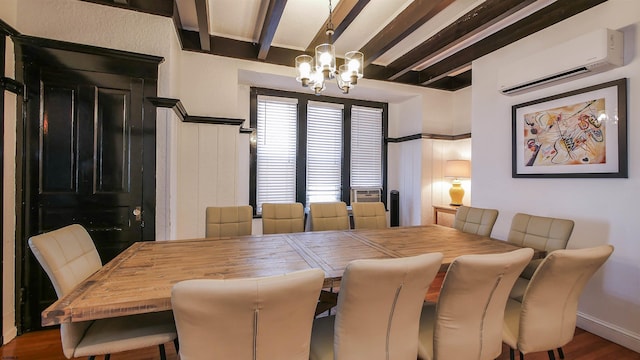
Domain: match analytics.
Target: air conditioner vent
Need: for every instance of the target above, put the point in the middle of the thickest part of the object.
(365, 195)
(590, 53)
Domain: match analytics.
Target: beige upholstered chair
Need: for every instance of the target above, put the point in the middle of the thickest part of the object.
(228, 221)
(475, 220)
(369, 215)
(546, 317)
(69, 256)
(541, 233)
(247, 319)
(282, 218)
(329, 216)
(378, 310)
(466, 323)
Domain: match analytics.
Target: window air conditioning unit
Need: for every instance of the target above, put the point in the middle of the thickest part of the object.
(365, 195)
(590, 53)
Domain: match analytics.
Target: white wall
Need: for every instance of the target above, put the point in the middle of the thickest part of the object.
(605, 210)
(8, 13)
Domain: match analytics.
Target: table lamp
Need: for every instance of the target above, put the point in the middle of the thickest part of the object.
(457, 169)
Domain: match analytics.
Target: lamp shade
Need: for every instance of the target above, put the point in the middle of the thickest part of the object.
(457, 169)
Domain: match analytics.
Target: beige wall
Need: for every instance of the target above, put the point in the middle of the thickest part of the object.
(604, 209)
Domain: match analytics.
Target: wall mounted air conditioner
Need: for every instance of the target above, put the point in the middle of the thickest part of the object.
(365, 195)
(590, 53)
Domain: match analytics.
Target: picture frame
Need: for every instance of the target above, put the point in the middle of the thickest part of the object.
(576, 134)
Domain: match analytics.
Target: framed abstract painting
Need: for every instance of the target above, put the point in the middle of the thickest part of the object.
(581, 133)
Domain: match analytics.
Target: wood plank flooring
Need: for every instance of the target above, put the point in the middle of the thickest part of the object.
(45, 345)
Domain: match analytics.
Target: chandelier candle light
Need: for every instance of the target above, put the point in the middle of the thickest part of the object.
(314, 74)
(457, 169)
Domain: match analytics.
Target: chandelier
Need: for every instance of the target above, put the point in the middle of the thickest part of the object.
(314, 73)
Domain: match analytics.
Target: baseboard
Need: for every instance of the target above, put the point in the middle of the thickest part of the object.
(9, 335)
(609, 331)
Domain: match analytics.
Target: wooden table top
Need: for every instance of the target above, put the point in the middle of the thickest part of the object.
(139, 280)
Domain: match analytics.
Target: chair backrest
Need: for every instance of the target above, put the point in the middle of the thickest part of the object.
(282, 218)
(68, 256)
(470, 308)
(228, 221)
(539, 232)
(329, 216)
(259, 318)
(379, 306)
(550, 303)
(475, 220)
(369, 215)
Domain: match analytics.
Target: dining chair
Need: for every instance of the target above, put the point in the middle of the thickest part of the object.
(223, 221)
(282, 218)
(69, 256)
(541, 233)
(247, 319)
(369, 215)
(329, 216)
(378, 310)
(466, 322)
(475, 220)
(546, 317)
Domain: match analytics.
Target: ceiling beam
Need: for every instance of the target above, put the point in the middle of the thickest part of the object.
(203, 24)
(269, 26)
(545, 17)
(343, 15)
(411, 18)
(470, 24)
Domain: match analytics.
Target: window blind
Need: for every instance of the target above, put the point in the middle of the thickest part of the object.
(324, 152)
(366, 147)
(276, 151)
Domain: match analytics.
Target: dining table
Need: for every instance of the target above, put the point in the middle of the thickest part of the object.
(139, 280)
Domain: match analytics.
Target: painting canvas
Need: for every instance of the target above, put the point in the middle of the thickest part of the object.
(576, 134)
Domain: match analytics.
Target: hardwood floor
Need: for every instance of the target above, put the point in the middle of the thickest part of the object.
(45, 345)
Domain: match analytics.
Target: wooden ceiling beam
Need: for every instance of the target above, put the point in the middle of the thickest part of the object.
(156, 7)
(203, 24)
(545, 17)
(470, 24)
(411, 18)
(269, 26)
(343, 15)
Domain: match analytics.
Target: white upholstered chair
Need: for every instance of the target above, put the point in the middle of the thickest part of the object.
(378, 310)
(224, 221)
(329, 216)
(541, 233)
(546, 317)
(369, 215)
(69, 256)
(475, 220)
(466, 322)
(282, 218)
(247, 319)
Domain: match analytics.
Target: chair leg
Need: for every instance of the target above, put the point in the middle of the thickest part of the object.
(512, 355)
(177, 345)
(91, 357)
(551, 355)
(163, 355)
(560, 353)
(521, 355)
(107, 357)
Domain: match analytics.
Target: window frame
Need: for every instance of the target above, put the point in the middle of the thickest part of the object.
(301, 144)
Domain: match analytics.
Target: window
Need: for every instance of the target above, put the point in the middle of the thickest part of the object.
(276, 150)
(324, 153)
(311, 148)
(366, 147)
